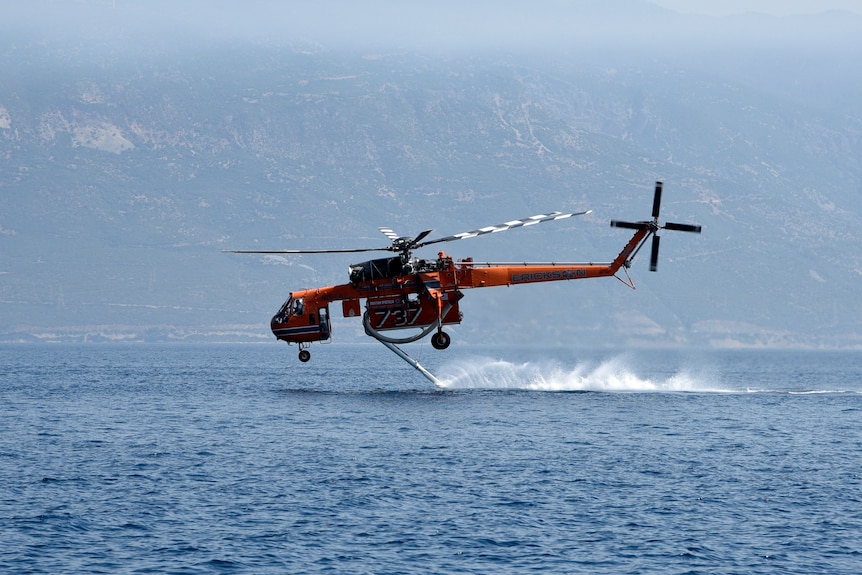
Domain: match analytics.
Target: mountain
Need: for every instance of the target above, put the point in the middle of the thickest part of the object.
(130, 158)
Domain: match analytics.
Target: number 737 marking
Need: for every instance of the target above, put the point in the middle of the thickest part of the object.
(400, 317)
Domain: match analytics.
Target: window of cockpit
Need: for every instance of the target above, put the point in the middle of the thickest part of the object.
(286, 307)
(298, 307)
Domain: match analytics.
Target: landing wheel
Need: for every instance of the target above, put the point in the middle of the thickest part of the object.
(304, 355)
(440, 340)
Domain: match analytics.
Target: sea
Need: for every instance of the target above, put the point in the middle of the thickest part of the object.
(230, 458)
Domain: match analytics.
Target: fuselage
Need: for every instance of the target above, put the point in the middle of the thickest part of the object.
(415, 293)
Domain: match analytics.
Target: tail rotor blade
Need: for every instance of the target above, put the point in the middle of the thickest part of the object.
(682, 227)
(656, 202)
(653, 259)
(629, 225)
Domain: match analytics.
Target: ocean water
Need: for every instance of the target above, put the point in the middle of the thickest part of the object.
(239, 459)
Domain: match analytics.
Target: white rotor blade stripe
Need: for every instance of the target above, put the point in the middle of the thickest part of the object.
(389, 233)
(532, 220)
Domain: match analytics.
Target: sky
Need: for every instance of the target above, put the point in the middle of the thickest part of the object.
(775, 7)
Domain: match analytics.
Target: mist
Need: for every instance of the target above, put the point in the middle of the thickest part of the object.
(448, 25)
(809, 58)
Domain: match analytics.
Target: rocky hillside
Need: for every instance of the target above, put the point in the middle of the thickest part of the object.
(124, 172)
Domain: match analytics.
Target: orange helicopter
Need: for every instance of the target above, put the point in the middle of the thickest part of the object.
(404, 292)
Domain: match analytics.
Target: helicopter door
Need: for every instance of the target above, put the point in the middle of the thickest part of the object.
(325, 326)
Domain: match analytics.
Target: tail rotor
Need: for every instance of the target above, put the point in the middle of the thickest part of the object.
(653, 226)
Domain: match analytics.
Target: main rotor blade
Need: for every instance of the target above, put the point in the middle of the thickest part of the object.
(418, 243)
(532, 220)
(344, 251)
(389, 233)
(656, 200)
(629, 225)
(422, 235)
(653, 258)
(682, 227)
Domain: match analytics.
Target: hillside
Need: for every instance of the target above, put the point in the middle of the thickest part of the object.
(125, 172)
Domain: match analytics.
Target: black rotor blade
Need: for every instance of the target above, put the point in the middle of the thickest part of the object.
(682, 227)
(344, 251)
(653, 258)
(422, 235)
(656, 201)
(629, 225)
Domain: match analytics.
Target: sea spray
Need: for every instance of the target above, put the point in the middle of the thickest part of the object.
(613, 374)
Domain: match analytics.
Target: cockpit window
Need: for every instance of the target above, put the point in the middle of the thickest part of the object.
(293, 306)
(286, 307)
(298, 307)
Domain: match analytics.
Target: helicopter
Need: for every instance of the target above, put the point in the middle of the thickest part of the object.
(403, 292)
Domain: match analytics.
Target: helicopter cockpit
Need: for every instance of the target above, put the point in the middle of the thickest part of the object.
(289, 308)
(302, 320)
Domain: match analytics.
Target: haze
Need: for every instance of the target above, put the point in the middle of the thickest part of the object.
(442, 25)
(772, 7)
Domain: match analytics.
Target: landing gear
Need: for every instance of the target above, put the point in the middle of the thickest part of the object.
(304, 355)
(440, 340)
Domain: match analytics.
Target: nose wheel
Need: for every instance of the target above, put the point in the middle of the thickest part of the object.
(304, 355)
(440, 340)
